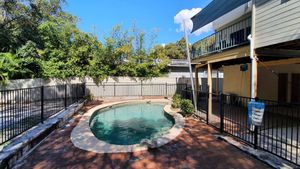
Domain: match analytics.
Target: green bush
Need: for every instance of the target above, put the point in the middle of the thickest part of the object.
(176, 101)
(187, 107)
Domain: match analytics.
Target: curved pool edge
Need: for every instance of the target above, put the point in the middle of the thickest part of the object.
(83, 138)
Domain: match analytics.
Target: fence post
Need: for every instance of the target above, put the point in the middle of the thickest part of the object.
(65, 101)
(76, 93)
(207, 105)
(83, 90)
(256, 131)
(221, 113)
(42, 104)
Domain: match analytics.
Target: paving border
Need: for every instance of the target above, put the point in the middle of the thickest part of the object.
(83, 138)
(24, 143)
(263, 156)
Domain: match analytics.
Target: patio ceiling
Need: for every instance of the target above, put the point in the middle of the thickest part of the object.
(215, 10)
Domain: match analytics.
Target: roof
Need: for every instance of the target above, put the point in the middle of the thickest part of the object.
(214, 10)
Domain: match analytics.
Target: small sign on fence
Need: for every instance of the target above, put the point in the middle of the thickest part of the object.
(256, 113)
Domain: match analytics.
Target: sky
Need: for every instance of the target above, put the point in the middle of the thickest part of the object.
(164, 16)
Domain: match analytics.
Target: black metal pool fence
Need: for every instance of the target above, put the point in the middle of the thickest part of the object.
(279, 133)
(22, 109)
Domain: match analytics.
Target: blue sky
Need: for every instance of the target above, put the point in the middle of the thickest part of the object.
(147, 14)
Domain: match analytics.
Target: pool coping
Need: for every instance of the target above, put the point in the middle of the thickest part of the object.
(83, 138)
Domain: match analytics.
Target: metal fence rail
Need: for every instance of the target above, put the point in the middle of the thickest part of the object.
(22, 109)
(280, 130)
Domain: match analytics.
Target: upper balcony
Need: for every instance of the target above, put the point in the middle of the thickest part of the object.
(229, 37)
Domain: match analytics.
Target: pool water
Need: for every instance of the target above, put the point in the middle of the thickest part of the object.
(130, 123)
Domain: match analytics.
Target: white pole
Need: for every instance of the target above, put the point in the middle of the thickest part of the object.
(253, 68)
(190, 65)
(253, 58)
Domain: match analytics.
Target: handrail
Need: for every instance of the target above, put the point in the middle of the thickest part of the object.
(229, 37)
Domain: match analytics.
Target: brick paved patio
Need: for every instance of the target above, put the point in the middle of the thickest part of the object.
(196, 147)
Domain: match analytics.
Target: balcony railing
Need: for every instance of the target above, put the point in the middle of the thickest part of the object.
(229, 37)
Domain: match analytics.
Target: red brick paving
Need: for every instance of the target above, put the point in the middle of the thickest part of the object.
(196, 147)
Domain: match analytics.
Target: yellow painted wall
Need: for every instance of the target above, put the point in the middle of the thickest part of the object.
(235, 81)
(268, 81)
(267, 84)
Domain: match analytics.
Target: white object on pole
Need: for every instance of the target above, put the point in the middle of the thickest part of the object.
(190, 65)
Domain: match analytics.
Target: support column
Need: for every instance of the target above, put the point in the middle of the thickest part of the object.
(254, 77)
(210, 90)
(197, 83)
(253, 57)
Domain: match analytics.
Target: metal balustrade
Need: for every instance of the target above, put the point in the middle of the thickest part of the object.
(229, 37)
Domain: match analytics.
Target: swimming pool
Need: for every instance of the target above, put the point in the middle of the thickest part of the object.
(129, 124)
(84, 138)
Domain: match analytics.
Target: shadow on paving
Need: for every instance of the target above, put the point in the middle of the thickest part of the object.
(196, 147)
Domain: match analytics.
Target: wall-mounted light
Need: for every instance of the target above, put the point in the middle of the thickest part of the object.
(244, 67)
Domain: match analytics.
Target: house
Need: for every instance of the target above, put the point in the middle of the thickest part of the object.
(256, 44)
(275, 29)
(179, 69)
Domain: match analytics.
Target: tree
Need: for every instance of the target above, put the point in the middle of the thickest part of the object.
(176, 50)
(29, 60)
(39, 39)
(20, 20)
(9, 67)
(6, 67)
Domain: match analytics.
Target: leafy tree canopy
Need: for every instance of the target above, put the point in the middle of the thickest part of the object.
(40, 40)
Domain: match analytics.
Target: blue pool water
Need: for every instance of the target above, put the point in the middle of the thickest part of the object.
(130, 123)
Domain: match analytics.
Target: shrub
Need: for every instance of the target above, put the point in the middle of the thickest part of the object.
(176, 101)
(187, 107)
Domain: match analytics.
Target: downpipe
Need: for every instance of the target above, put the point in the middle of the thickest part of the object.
(253, 67)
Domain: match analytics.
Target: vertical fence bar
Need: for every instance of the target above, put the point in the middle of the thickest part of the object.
(13, 112)
(65, 97)
(207, 105)
(2, 116)
(83, 90)
(42, 104)
(77, 93)
(297, 135)
(221, 113)
(255, 137)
